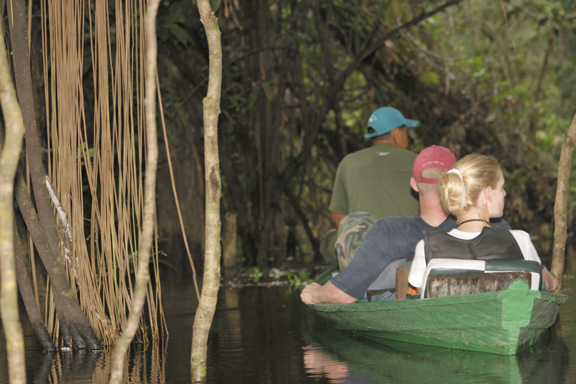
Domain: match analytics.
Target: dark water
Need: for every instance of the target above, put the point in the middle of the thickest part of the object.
(266, 335)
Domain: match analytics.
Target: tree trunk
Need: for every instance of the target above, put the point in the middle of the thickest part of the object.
(8, 163)
(283, 113)
(211, 281)
(27, 294)
(75, 327)
(561, 204)
(21, 54)
(146, 235)
(229, 244)
(26, 290)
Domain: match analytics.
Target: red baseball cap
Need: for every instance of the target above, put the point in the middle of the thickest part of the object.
(432, 157)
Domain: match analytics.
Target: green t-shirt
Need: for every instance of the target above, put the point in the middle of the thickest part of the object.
(376, 180)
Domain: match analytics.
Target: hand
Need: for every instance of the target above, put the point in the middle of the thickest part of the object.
(551, 282)
(307, 294)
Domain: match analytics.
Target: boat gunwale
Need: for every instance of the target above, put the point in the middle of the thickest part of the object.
(557, 298)
(508, 338)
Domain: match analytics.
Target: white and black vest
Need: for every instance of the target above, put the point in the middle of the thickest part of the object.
(492, 244)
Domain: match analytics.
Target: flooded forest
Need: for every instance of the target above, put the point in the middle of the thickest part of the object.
(300, 80)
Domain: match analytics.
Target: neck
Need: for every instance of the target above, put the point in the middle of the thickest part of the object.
(381, 141)
(431, 210)
(472, 222)
(469, 220)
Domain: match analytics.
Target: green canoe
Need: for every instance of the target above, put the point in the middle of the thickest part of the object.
(397, 362)
(502, 322)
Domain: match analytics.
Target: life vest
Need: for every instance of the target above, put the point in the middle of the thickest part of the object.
(492, 244)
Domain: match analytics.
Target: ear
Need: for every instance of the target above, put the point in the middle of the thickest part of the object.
(396, 132)
(488, 194)
(413, 184)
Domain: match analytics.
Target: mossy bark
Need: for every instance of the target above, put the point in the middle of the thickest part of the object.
(211, 281)
(561, 204)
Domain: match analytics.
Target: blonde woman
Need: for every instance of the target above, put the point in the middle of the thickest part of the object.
(473, 191)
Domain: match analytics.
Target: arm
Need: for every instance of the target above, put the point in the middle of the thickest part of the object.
(530, 253)
(551, 282)
(337, 218)
(328, 293)
(339, 205)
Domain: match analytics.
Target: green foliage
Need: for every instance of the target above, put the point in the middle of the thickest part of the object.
(215, 5)
(477, 78)
(548, 140)
(272, 276)
(297, 279)
(254, 274)
(253, 97)
(430, 78)
(171, 26)
(519, 64)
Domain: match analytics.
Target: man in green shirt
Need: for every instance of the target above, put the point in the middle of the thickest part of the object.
(375, 179)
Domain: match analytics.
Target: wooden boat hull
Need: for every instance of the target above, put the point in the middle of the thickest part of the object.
(503, 322)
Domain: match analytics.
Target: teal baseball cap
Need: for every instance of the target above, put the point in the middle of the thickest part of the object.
(385, 119)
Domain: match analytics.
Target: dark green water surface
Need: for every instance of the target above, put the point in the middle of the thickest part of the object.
(266, 335)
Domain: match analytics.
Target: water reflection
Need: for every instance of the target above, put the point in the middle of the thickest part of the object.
(345, 358)
(319, 364)
(266, 335)
(65, 367)
(145, 365)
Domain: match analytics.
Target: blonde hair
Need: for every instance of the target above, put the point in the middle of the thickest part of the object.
(460, 189)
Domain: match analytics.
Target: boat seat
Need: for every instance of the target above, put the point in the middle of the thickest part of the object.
(384, 287)
(451, 277)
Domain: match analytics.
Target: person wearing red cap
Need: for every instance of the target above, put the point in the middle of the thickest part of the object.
(390, 241)
(375, 179)
(473, 192)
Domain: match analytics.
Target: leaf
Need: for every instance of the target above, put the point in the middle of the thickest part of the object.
(170, 26)
(180, 34)
(431, 78)
(215, 5)
(267, 87)
(254, 97)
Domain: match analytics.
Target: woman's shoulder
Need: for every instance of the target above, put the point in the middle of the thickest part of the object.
(519, 232)
(521, 236)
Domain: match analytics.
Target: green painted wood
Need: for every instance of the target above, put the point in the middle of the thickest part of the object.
(400, 362)
(503, 322)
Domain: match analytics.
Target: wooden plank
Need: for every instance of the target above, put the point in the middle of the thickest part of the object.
(469, 283)
(401, 283)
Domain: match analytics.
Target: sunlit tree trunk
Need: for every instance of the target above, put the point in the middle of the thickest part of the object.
(8, 164)
(211, 281)
(145, 246)
(25, 285)
(561, 204)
